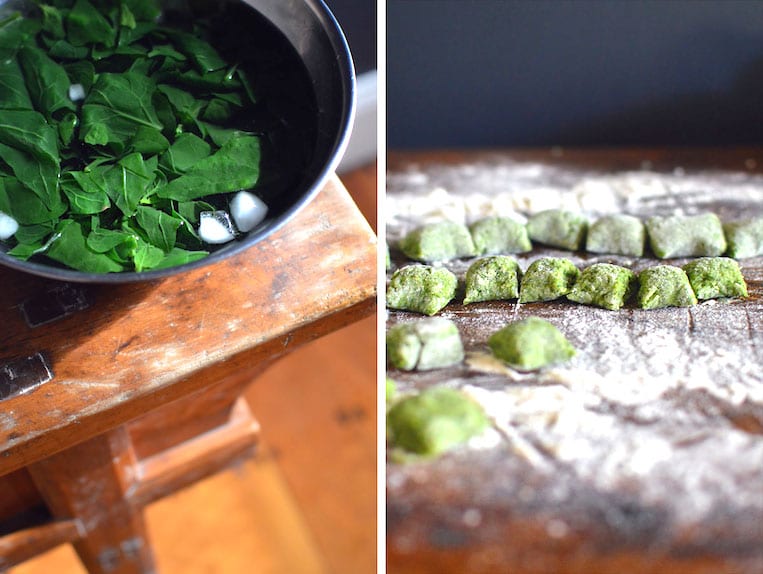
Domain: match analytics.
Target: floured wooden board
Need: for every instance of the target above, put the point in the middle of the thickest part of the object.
(642, 454)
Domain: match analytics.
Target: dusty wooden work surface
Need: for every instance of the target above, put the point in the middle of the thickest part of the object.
(645, 452)
(139, 346)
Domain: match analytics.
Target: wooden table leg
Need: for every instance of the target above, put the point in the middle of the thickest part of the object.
(91, 483)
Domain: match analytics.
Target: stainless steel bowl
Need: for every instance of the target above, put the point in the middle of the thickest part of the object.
(315, 35)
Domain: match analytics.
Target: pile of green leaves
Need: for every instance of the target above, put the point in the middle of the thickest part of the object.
(116, 181)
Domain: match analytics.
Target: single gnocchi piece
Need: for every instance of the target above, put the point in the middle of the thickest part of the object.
(745, 237)
(664, 286)
(441, 241)
(424, 344)
(421, 288)
(492, 279)
(617, 234)
(530, 344)
(547, 279)
(434, 421)
(558, 228)
(713, 277)
(604, 285)
(496, 235)
(686, 236)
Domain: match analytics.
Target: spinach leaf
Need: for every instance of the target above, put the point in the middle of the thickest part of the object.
(236, 165)
(149, 141)
(130, 180)
(102, 240)
(29, 132)
(147, 10)
(201, 53)
(13, 31)
(86, 25)
(24, 205)
(146, 256)
(186, 106)
(161, 228)
(117, 105)
(71, 249)
(39, 177)
(187, 151)
(46, 81)
(180, 256)
(166, 51)
(64, 50)
(13, 92)
(86, 191)
(81, 72)
(34, 233)
(66, 128)
(52, 21)
(220, 109)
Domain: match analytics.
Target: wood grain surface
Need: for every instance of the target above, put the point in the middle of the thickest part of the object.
(142, 345)
(645, 452)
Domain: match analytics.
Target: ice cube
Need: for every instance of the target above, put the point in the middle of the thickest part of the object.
(8, 226)
(216, 227)
(248, 210)
(76, 92)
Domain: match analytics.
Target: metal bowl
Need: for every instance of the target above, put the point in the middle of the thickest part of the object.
(313, 32)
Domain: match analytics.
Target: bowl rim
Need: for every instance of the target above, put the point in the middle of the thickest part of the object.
(346, 70)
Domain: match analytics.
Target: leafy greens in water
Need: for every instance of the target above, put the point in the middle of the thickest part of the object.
(168, 127)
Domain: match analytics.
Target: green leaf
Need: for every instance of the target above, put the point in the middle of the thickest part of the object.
(130, 181)
(52, 21)
(161, 228)
(217, 134)
(167, 51)
(117, 105)
(13, 92)
(40, 177)
(25, 206)
(102, 240)
(219, 110)
(218, 81)
(148, 141)
(86, 191)
(86, 25)
(187, 150)
(147, 10)
(65, 51)
(186, 106)
(126, 17)
(47, 82)
(29, 132)
(180, 257)
(81, 72)
(66, 128)
(236, 165)
(34, 233)
(13, 31)
(201, 53)
(71, 249)
(146, 256)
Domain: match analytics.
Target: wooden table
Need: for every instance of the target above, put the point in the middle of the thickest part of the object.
(644, 453)
(113, 396)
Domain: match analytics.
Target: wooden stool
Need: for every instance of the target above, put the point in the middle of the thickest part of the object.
(114, 396)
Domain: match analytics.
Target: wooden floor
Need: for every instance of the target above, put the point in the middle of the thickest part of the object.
(307, 503)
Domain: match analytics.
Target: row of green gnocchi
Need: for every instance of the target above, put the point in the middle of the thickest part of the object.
(701, 235)
(426, 289)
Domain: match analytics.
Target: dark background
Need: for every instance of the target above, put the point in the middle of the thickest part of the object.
(357, 19)
(585, 72)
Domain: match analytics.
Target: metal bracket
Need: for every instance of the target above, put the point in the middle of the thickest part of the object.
(56, 303)
(24, 375)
